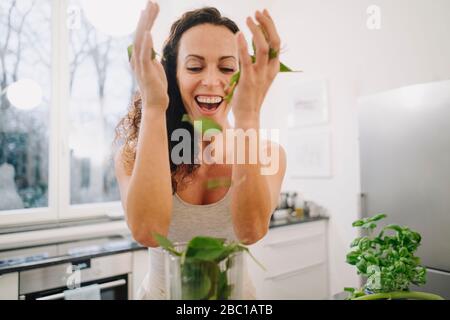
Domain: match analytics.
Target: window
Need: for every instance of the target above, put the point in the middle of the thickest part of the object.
(25, 99)
(101, 85)
(64, 85)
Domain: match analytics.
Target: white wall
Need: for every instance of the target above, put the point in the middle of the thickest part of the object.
(329, 39)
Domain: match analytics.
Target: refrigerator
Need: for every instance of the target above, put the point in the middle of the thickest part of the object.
(404, 143)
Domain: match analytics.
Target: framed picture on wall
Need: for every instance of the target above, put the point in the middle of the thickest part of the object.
(309, 103)
(309, 154)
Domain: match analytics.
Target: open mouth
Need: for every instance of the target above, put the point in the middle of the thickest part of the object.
(208, 104)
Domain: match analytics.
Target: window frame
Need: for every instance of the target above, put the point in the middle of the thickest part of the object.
(59, 208)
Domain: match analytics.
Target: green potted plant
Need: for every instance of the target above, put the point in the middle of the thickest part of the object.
(387, 262)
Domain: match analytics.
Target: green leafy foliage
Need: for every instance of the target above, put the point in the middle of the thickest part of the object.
(202, 277)
(386, 259)
(205, 122)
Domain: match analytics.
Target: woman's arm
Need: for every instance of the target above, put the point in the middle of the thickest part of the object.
(148, 199)
(255, 194)
(147, 193)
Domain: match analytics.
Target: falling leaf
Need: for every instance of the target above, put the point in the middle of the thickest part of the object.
(206, 123)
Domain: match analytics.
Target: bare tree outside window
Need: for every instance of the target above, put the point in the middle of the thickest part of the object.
(101, 86)
(25, 53)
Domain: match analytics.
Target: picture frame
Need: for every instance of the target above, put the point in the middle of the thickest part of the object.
(309, 155)
(309, 103)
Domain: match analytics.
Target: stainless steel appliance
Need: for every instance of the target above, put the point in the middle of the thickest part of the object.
(113, 274)
(46, 271)
(405, 168)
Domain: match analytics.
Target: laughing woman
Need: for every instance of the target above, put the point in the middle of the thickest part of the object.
(161, 195)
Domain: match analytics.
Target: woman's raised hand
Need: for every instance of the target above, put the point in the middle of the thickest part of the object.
(256, 78)
(149, 72)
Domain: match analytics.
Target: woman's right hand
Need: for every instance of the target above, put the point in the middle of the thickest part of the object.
(149, 72)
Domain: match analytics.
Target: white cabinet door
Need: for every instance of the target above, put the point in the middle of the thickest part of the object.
(296, 262)
(302, 284)
(9, 286)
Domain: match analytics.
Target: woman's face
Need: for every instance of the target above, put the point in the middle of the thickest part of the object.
(207, 59)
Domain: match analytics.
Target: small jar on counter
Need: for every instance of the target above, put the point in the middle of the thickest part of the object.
(299, 207)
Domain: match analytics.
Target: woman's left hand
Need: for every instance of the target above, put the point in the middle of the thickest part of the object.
(256, 78)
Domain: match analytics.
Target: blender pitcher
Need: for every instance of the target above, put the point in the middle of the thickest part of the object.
(192, 279)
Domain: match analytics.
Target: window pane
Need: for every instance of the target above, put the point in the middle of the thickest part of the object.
(101, 87)
(25, 97)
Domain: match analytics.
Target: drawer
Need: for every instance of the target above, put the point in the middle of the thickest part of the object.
(300, 284)
(291, 248)
(9, 286)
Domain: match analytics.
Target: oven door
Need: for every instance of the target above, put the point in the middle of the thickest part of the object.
(113, 274)
(115, 288)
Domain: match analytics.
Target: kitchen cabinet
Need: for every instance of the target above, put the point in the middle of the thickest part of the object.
(9, 286)
(296, 262)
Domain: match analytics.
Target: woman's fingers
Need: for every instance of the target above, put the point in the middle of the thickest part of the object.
(153, 13)
(146, 21)
(269, 26)
(244, 57)
(262, 47)
(147, 50)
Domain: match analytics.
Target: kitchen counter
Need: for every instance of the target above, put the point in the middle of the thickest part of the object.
(26, 258)
(75, 252)
(291, 220)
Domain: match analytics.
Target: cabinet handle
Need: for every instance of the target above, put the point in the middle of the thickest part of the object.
(102, 286)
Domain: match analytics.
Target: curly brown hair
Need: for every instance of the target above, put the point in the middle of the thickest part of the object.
(127, 130)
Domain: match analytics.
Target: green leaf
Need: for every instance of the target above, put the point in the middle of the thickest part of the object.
(233, 81)
(206, 124)
(377, 217)
(223, 289)
(254, 259)
(205, 248)
(235, 77)
(353, 257)
(186, 118)
(203, 123)
(358, 223)
(165, 243)
(218, 183)
(369, 225)
(273, 53)
(130, 52)
(285, 68)
(355, 242)
(196, 283)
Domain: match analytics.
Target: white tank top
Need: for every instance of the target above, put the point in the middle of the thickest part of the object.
(188, 221)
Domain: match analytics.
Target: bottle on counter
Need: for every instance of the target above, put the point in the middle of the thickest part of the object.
(299, 211)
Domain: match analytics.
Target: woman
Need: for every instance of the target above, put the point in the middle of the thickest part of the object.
(174, 199)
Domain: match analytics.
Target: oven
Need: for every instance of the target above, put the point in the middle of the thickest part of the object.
(112, 274)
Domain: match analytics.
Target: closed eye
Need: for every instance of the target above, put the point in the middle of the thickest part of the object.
(195, 69)
(227, 70)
